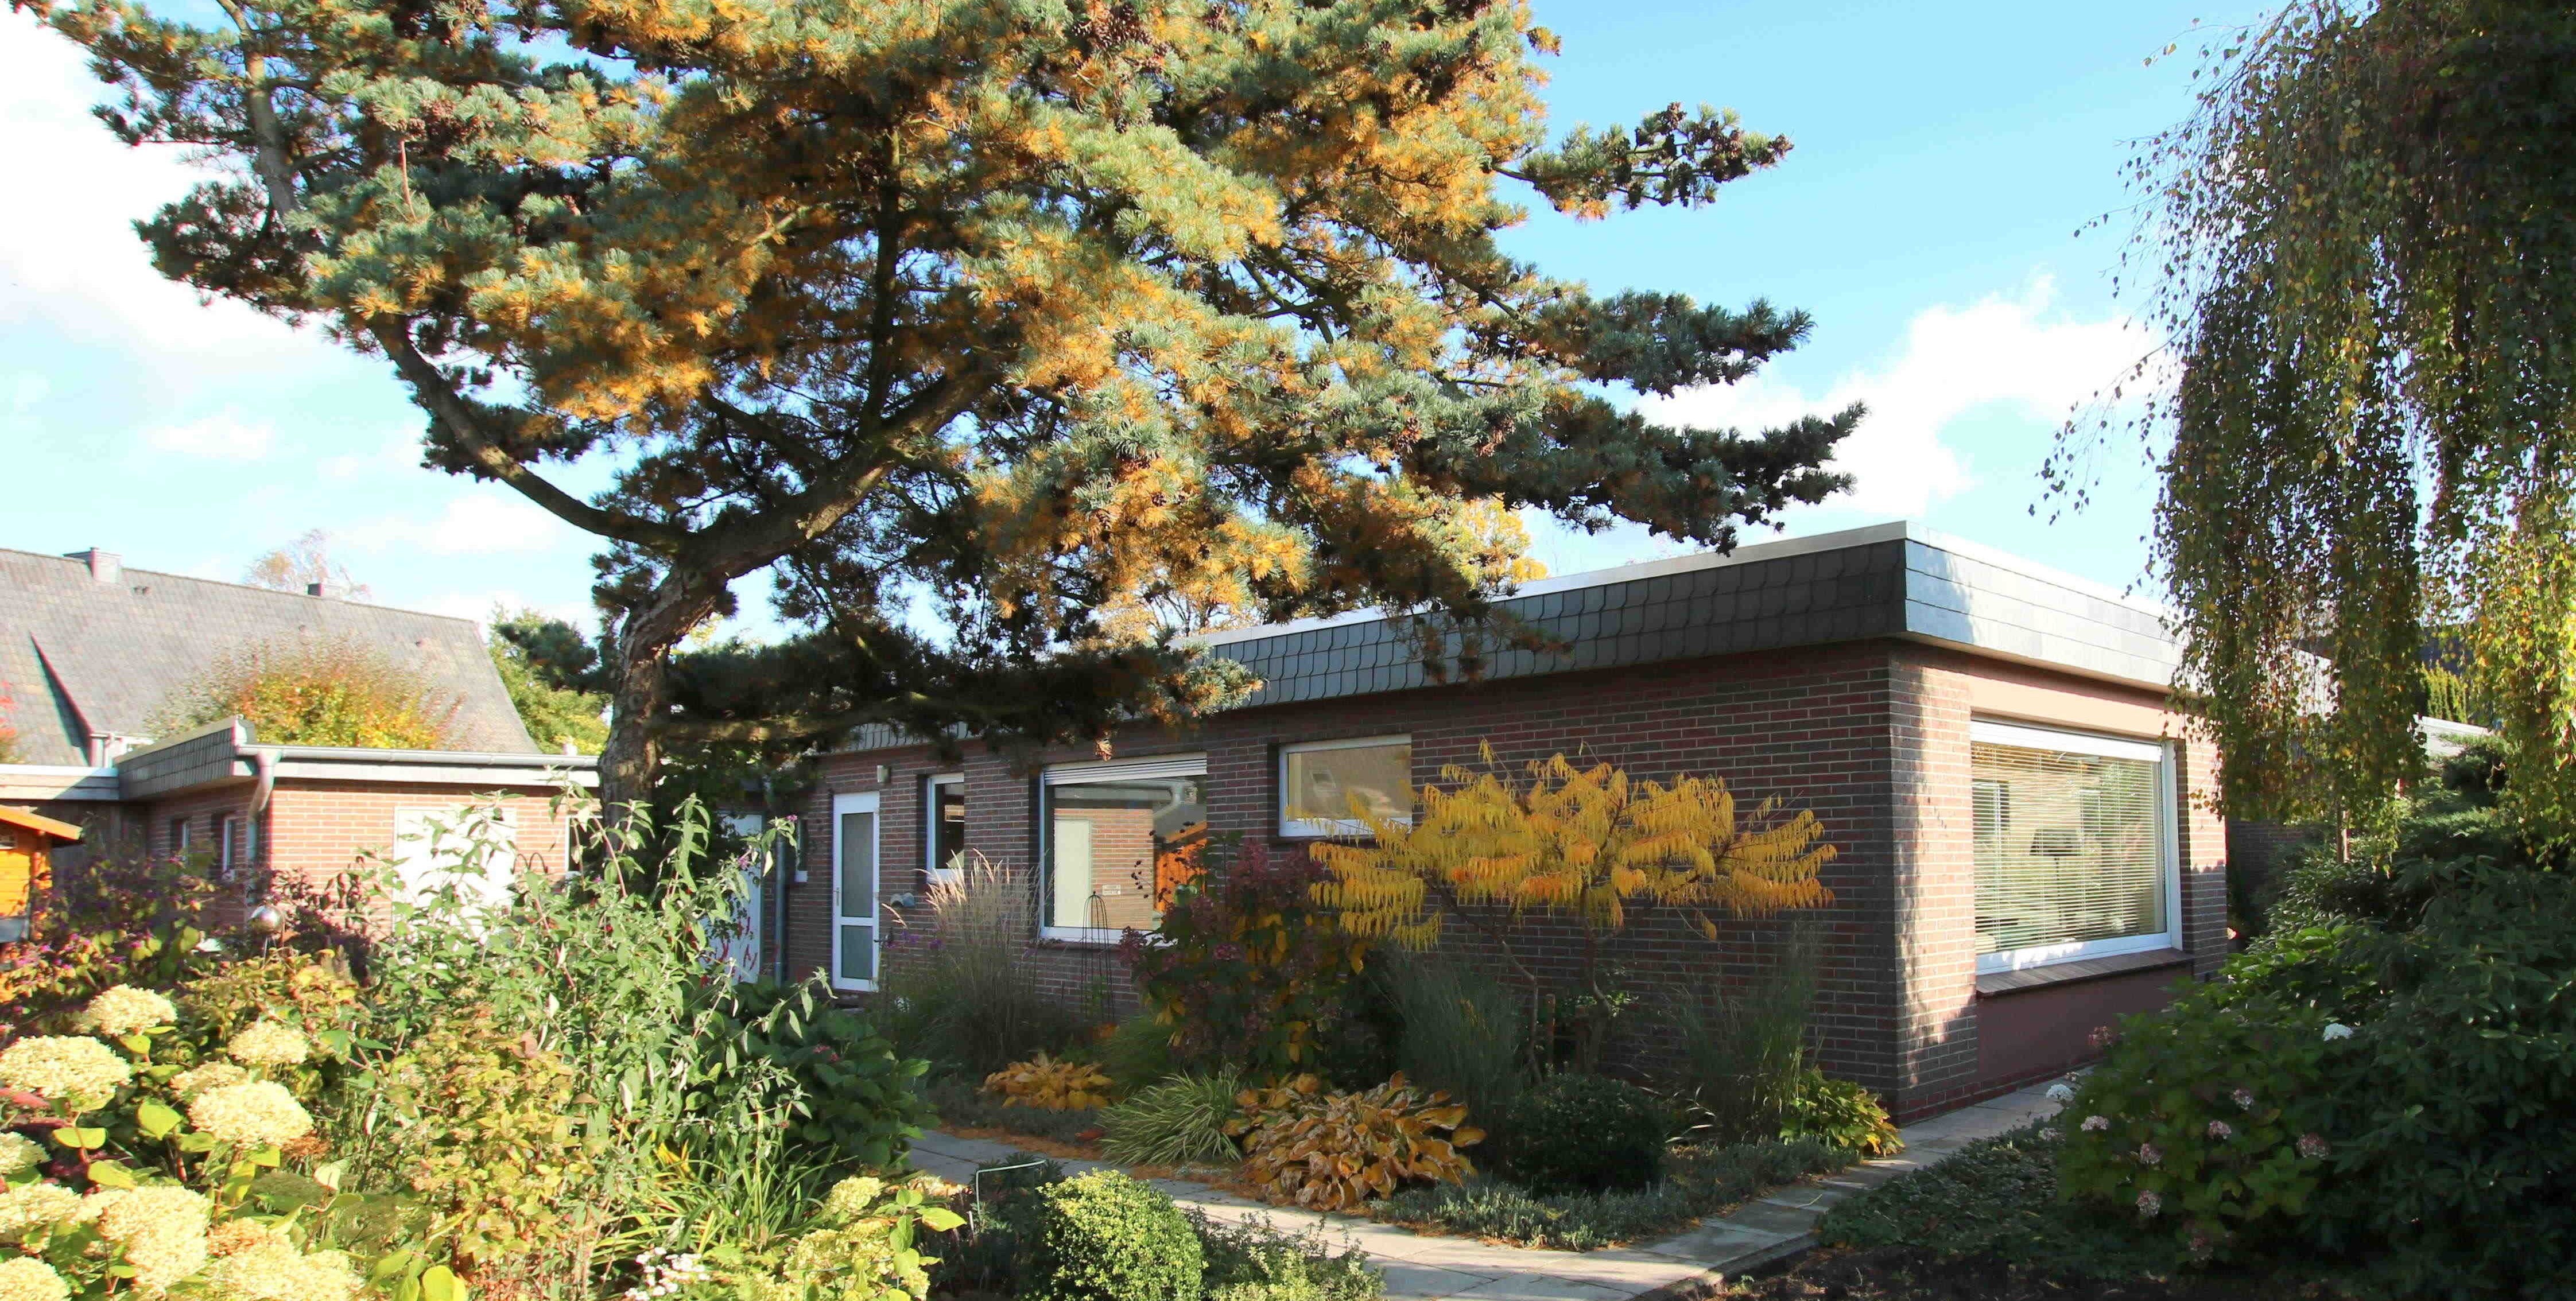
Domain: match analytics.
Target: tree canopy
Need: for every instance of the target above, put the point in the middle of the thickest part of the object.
(2365, 242)
(302, 690)
(553, 676)
(981, 322)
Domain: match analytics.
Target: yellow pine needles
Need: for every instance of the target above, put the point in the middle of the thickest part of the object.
(1587, 844)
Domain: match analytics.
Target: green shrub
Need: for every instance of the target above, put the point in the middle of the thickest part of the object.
(856, 1099)
(1841, 1114)
(2454, 1103)
(2203, 1122)
(1462, 1034)
(1107, 1237)
(1246, 970)
(2426, 1137)
(1135, 1053)
(1254, 1262)
(1585, 1133)
(1177, 1122)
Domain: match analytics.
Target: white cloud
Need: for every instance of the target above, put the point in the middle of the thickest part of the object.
(476, 525)
(398, 452)
(1954, 360)
(69, 259)
(225, 437)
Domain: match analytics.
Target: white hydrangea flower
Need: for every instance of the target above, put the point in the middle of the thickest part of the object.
(268, 1043)
(19, 1154)
(123, 1010)
(25, 1278)
(2060, 1093)
(2338, 1031)
(2096, 1124)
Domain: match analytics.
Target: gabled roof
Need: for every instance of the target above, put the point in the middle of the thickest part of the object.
(34, 821)
(84, 655)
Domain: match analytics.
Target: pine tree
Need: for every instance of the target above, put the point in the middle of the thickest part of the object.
(988, 316)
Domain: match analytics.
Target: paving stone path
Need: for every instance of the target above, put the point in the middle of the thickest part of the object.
(1425, 1267)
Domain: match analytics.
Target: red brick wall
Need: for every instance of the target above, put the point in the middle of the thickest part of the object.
(318, 830)
(1871, 736)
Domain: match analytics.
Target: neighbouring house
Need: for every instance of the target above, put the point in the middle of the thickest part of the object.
(90, 653)
(27, 843)
(2026, 846)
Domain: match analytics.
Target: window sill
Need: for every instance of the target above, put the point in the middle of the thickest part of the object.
(1078, 941)
(1993, 983)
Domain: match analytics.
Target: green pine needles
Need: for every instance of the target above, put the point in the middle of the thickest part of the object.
(2367, 248)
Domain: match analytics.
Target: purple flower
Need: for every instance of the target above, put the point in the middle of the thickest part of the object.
(2149, 1204)
(2150, 1154)
(2218, 1129)
(2313, 1146)
(2096, 1124)
(2243, 1099)
(2200, 1245)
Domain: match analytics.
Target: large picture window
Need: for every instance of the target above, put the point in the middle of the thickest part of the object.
(1120, 837)
(1320, 781)
(2074, 846)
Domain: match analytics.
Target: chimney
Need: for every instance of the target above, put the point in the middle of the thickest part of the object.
(317, 589)
(103, 565)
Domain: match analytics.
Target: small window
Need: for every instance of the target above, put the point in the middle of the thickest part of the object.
(178, 836)
(1325, 786)
(946, 838)
(2074, 847)
(1120, 838)
(224, 863)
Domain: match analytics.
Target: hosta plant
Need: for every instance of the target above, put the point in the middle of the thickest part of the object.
(1332, 1151)
(1049, 1084)
(1840, 1113)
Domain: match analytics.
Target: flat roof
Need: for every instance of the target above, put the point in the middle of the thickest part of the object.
(1898, 580)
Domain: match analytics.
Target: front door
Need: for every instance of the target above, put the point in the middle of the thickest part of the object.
(854, 891)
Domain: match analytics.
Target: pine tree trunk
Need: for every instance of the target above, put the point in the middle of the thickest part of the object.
(631, 761)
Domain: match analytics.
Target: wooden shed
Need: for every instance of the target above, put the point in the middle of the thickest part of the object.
(27, 840)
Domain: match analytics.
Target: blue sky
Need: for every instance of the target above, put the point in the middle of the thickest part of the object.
(1945, 157)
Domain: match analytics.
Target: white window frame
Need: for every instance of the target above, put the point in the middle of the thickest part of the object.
(225, 825)
(1323, 828)
(415, 848)
(2168, 841)
(1179, 765)
(861, 802)
(934, 871)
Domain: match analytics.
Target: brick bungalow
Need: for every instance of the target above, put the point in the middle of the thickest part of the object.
(91, 651)
(2026, 847)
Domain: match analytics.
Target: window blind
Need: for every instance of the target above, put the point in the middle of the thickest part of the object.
(2069, 847)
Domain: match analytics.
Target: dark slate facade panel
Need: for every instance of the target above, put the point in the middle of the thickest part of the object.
(1794, 600)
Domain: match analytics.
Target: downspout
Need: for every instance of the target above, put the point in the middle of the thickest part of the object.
(264, 762)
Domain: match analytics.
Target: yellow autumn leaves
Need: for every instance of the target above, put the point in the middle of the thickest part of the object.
(1587, 844)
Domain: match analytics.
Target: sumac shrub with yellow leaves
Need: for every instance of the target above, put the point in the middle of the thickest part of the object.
(1247, 970)
(1586, 845)
(1050, 1084)
(1332, 1151)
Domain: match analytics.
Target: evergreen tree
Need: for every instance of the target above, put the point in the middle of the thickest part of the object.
(993, 316)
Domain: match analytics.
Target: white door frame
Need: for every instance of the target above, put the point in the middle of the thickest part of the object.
(863, 802)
